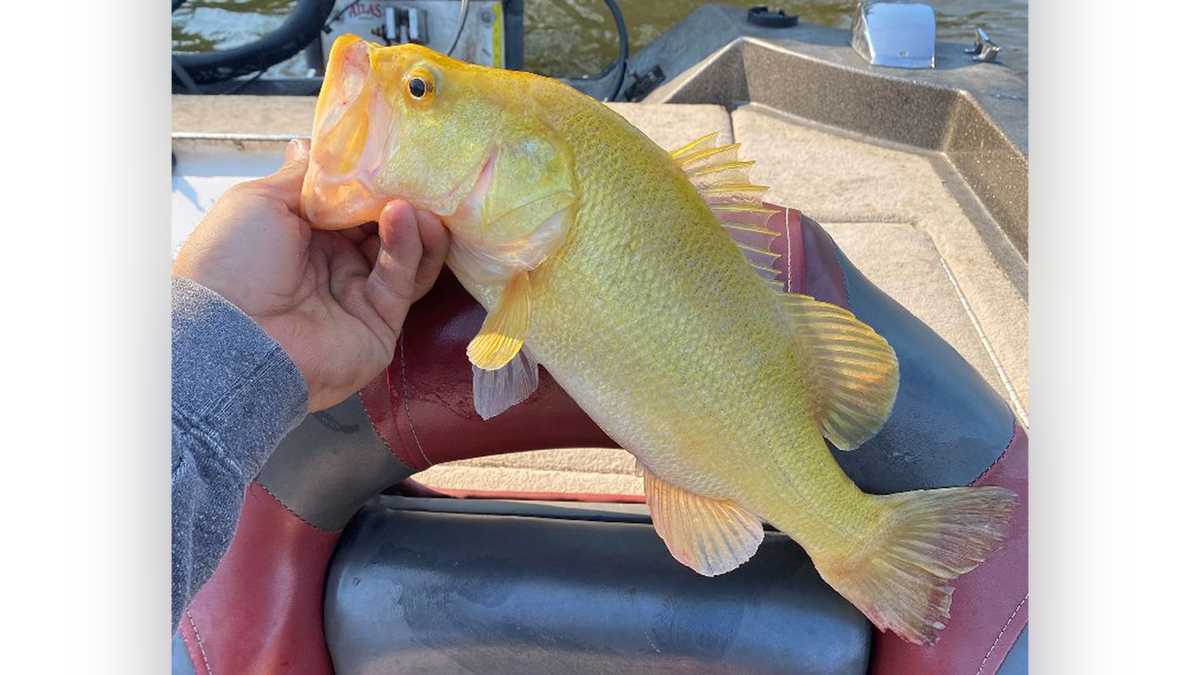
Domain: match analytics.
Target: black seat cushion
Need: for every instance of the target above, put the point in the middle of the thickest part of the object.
(564, 591)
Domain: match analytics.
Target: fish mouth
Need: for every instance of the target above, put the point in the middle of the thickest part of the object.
(335, 201)
(330, 202)
(351, 137)
(337, 196)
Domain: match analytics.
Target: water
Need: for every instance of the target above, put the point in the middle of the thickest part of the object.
(588, 28)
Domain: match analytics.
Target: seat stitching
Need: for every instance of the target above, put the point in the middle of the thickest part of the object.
(388, 391)
(1003, 453)
(407, 409)
(289, 509)
(199, 642)
(1002, 631)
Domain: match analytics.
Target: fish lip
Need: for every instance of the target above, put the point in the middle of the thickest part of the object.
(366, 206)
(337, 200)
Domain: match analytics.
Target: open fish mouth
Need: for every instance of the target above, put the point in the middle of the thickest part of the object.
(350, 143)
(335, 203)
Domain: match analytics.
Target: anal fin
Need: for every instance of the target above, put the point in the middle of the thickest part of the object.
(503, 331)
(857, 371)
(710, 536)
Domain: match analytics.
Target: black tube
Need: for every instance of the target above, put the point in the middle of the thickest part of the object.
(301, 27)
(458, 29)
(623, 57)
(179, 73)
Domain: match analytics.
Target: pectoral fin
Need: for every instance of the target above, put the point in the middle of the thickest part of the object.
(499, 390)
(857, 372)
(504, 329)
(710, 536)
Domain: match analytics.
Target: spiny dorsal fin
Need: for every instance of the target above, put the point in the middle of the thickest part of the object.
(857, 371)
(702, 143)
(710, 536)
(723, 181)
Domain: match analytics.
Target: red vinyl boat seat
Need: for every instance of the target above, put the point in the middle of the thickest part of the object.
(467, 586)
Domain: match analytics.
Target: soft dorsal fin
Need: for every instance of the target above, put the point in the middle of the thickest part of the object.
(710, 536)
(723, 181)
(857, 371)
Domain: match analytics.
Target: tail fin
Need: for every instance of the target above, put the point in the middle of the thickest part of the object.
(926, 539)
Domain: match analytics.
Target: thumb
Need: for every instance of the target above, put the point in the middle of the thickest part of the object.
(287, 181)
(392, 284)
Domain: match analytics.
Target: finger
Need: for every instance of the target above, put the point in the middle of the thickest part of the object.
(287, 181)
(435, 243)
(370, 247)
(297, 148)
(356, 235)
(390, 286)
(347, 267)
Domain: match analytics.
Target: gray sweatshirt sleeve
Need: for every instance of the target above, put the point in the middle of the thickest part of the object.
(234, 395)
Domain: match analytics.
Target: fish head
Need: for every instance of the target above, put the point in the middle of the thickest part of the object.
(386, 127)
(463, 141)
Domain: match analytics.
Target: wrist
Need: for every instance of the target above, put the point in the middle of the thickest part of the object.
(226, 366)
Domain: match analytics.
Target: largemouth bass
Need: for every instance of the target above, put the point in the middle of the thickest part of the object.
(642, 280)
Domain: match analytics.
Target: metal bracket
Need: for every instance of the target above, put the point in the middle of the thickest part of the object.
(894, 34)
(643, 84)
(984, 49)
(402, 25)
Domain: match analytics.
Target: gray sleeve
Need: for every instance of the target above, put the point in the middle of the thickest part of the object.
(234, 395)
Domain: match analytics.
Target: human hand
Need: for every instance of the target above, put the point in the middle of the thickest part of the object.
(335, 301)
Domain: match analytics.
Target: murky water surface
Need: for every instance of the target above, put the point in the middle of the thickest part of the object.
(569, 38)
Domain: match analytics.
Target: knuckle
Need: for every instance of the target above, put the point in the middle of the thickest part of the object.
(391, 292)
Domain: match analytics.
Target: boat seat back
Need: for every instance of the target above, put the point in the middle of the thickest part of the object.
(559, 590)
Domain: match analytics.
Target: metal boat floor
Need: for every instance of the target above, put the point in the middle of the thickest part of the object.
(902, 214)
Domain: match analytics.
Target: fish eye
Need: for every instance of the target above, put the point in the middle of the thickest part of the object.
(420, 85)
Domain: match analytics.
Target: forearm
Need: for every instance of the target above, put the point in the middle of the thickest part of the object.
(234, 395)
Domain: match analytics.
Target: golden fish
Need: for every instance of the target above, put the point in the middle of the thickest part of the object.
(641, 279)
